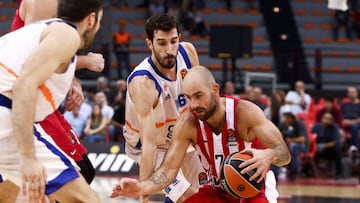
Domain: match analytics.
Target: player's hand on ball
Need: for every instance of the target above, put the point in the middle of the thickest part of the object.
(128, 187)
(261, 161)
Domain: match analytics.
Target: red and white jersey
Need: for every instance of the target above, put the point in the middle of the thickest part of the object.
(214, 148)
(15, 48)
(171, 101)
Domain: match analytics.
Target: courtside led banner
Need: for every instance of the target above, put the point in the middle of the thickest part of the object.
(110, 158)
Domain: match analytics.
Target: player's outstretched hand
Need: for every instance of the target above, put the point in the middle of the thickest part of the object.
(128, 187)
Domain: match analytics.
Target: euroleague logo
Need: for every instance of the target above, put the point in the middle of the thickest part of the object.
(183, 72)
(203, 178)
(231, 135)
(241, 187)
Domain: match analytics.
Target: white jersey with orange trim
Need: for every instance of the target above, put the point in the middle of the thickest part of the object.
(171, 102)
(15, 49)
(12, 58)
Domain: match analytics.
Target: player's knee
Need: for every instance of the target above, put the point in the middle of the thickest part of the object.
(87, 195)
(84, 197)
(77, 191)
(93, 197)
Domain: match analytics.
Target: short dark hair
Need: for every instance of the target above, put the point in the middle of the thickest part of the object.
(162, 22)
(290, 114)
(329, 98)
(77, 10)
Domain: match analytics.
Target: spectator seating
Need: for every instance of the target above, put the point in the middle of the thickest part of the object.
(314, 23)
(339, 59)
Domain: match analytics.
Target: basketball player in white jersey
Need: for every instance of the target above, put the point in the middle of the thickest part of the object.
(220, 114)
(37, 64)
(154, 101)
(30, 11)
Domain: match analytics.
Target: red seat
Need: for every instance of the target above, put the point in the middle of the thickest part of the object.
(308, 157)
(345, 100)
(302, 115)
(312, 144)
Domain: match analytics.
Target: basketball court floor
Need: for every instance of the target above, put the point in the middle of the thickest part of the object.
(303, 190)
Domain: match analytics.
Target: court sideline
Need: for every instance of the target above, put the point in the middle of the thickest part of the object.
(312, 190)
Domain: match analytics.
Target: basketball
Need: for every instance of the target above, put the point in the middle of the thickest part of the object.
(235, 183)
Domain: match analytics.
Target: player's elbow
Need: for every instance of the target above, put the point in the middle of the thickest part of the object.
(282, 155)
(287, 159)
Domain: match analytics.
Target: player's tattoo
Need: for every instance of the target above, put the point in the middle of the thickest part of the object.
(159, 179)
(280, 152)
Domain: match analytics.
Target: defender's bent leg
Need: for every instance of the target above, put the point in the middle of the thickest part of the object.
(76, 191)
(8, 192)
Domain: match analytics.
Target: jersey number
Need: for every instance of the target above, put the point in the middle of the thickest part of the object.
(219, 158)
(181, 101)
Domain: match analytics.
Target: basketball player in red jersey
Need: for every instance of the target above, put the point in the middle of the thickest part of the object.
(207, 125)
(55, 124)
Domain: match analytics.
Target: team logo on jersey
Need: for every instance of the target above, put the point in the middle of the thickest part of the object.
(203, 179)
(183, 72)
(231, 135)
(167, 94)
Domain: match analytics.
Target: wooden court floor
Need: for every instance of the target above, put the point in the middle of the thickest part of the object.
(303, 190)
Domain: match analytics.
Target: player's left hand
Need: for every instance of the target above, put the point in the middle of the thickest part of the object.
(95, 62)
(128, 187)
(260, 161)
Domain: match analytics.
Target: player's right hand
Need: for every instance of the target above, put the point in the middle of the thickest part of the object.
(261, 161)
(128, 187)
(34, 177)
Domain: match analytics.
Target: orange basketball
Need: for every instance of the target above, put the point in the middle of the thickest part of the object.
(235, 183)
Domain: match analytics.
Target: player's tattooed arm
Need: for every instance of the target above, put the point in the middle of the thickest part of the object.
(159, 179)
(281, 155)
